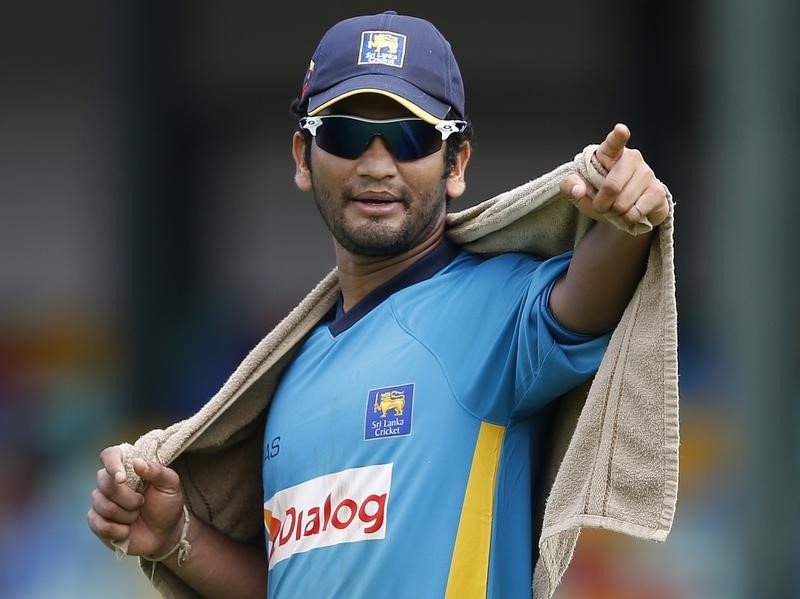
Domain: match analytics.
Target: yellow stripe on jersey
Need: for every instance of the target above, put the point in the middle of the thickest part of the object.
(469, 568)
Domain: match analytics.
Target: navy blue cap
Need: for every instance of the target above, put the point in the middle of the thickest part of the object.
(403, 57)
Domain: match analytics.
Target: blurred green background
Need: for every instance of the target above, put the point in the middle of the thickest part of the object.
(150, 235)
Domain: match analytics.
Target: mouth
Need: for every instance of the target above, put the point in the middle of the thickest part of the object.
(376, 198)
(377, 203)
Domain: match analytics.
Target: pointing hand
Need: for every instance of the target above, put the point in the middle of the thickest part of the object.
(630, 189)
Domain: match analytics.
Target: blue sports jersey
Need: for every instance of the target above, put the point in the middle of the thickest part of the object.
(400, 446)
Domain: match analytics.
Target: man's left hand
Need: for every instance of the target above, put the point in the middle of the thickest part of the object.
(630, 189)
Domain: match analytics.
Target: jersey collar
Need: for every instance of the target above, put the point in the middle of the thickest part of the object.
(421, 270)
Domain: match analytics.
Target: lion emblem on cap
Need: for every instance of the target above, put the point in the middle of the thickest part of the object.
(382, 39)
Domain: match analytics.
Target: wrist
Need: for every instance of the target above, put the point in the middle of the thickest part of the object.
(179, 547)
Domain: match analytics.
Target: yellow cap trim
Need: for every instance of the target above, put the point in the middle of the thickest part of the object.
(416, 110)
(469, 566)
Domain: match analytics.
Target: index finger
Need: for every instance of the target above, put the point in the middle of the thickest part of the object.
(614, 144)
(111, 458)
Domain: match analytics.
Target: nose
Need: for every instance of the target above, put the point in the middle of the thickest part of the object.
(376, 161)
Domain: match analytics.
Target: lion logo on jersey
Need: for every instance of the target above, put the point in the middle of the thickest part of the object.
(391, 400)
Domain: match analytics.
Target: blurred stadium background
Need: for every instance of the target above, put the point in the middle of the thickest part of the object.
(150, 235)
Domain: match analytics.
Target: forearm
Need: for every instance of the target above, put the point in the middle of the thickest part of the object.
(220, 567)
(605, 269)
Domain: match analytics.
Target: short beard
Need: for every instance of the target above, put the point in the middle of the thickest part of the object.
(375, 238)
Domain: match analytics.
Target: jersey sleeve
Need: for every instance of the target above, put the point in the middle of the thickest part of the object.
(491, 330)
(551, 359)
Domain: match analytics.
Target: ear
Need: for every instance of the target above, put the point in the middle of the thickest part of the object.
(456, 183)
(302, 173)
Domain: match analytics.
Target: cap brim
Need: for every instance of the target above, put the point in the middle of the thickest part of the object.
(426, 107)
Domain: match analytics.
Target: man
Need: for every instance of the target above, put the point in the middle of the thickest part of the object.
(433, 368)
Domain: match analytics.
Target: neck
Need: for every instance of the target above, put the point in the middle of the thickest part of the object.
(358, 274)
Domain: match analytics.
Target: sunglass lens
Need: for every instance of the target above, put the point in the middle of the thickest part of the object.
(406, 139)
(341, 137)
(409, 140)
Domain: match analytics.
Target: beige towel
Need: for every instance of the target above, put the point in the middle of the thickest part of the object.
(620, 464)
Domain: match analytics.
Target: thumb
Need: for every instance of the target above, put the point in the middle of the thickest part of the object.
(160, 477)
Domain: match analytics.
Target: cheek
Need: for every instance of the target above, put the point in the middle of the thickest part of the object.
(425, 174)
(330, 171)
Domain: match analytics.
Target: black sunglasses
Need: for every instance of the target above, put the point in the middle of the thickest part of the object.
(407, 138)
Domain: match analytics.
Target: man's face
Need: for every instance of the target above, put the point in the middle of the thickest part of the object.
(376, 205)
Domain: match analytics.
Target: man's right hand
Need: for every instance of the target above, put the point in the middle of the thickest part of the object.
(152, 520)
